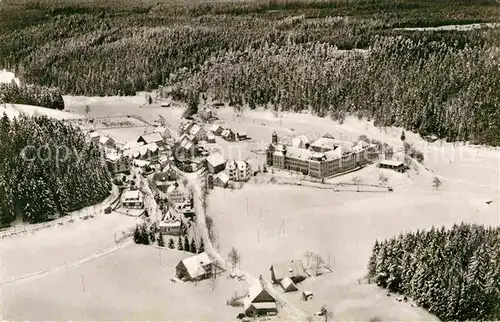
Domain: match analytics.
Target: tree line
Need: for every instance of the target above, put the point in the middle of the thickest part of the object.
(47, 168)
(36, 95)
(455, 273)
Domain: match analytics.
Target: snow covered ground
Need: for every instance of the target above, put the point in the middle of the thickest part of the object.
(465, 27)
(342, 226)
(7, 77)
(14, 110)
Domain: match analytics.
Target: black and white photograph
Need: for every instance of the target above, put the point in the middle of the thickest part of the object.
(250, 160)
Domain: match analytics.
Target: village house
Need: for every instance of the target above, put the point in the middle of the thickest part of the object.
(163, 131)
(293, 269)
(210, 137)
(170, 224)
(175, 195)
(117, 163)
(206, 114)
(195, 268)
(239, 170)
(107, 142)
(93, 136)
(395, 165)
(324, 158)
(132, 199)
(215, 163)
(216, 129)
(242, 136)
(151, 138)
(197, 132)
(288, 285)
(228, 135)
(259, 302)
(221, 180)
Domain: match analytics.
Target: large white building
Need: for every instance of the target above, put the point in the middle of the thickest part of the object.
(239, 170)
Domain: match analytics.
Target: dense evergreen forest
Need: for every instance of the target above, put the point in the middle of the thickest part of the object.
(455, 273)
(285, 55)
(47, 167)
(31, 95)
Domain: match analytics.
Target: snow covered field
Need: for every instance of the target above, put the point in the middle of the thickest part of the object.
(130, 284)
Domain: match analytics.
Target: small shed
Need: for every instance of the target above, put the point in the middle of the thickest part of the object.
(392, 164)
(307, 295)
(288, 285)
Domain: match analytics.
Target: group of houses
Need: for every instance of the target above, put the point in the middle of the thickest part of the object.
(320, 159)
(228, 134)
(120, 157)
(222, 170)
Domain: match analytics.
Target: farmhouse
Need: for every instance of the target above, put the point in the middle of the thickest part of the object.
(293, 269)
(228, 135)
(154, 137)
(259, 302)
(398, 166)
(206, 114)
(117, 163)
(215, 163)
(324, 158)
(132, 199)
(239, 170)
(221, 180)
(107, 142)
(216, 129)
(195, 268)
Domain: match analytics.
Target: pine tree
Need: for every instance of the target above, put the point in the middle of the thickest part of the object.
(192, 247)
(137, 235)
(179, 244)
(186, 244)
(161, 242)
(171, 244)
(201, 248)
(403, 137)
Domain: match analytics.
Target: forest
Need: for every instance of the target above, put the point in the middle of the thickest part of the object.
(47, 168)
(31, 95)
(333, 57)
(454, 273)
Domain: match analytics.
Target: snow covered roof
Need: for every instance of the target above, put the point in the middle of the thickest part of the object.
(105, 139)
(255, 291)
(113, 157)
(175, 223)
(325, 143)
(141, 150)
(195, 264)
(216, 159)
(288, 284)
(215, 127)
(242, 165)
(392, 163)
(288, 269)
(131, 195)
(210, 135)
(151, 137)
(160, 129)
(195, 129)
(298, 153)
(333, 154)
(227, 132)
(130, 145)
(300, 141)
(94, 134)
(224, 178)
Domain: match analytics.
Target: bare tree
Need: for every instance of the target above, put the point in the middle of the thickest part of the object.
(318, 263)
(234, 257)
(87, 110)
(357, 181)
(326, 313)
(382, 178)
